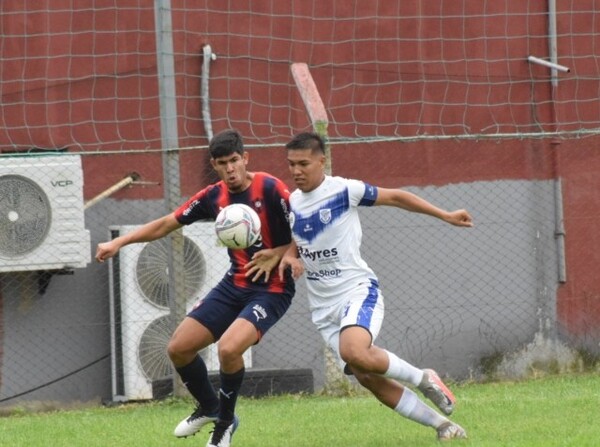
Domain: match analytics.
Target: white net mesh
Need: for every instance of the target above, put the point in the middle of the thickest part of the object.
(85, 75)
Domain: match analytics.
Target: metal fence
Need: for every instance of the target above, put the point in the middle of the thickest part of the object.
(459, 300)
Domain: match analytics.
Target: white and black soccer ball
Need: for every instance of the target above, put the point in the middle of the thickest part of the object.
(237, 226)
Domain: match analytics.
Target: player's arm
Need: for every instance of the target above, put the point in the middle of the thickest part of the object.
(291, 260)
(148, 232)
(264, 261)
(411, 202)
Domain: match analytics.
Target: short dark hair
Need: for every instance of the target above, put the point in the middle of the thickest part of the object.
(226, 143)
(307, 140)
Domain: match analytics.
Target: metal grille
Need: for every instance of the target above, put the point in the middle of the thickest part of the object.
(152, 272)
(25, 215)
(152, 354)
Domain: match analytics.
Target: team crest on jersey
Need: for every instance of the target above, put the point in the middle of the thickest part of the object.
(325, 215)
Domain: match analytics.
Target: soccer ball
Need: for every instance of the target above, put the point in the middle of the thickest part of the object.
(237, 226)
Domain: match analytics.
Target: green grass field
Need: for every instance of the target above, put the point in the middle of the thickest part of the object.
(551, 411)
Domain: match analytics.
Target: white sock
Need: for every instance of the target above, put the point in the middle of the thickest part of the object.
(403, 371)
(413, 408)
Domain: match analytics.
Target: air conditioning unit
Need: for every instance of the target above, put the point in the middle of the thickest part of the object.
(141, 319)
(41, 213)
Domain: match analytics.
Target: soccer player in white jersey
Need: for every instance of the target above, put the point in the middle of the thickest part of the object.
(343, 292)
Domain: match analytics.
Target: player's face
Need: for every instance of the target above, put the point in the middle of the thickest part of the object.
(232, 170)
(307, 168)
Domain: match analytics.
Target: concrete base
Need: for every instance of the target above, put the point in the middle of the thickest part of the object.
(257, 383)
(270, 382)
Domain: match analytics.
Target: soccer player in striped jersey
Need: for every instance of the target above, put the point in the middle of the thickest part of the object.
(241, 308)
(343, 292)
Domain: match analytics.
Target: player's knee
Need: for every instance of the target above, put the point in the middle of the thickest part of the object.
(228, 353)
(356, 357)
(180, 351)
(175, 351)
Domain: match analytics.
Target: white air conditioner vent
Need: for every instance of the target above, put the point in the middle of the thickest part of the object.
(151, 351)
(41, 213)
(152, 275)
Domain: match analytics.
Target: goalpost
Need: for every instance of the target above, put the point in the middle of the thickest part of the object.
(335, 380)
(314, 105)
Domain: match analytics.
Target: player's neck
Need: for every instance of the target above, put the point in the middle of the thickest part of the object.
(323, 177)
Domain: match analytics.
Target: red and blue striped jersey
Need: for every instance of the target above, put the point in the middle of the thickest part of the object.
(269, 197)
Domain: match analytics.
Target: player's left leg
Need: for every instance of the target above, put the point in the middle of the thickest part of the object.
(261, 312)
(240, 336)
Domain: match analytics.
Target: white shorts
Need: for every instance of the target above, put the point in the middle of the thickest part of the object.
(363, 307)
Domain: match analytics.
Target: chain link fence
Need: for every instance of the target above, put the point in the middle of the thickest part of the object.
(472, 303)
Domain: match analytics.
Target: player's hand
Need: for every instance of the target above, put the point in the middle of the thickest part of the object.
(262, 263)
(106, 250)
(292, 262)
(459, 218)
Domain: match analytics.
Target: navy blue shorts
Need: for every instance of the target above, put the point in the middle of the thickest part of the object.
(225, 303)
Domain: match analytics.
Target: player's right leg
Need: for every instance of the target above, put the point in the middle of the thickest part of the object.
(367, 300)
(189, 337)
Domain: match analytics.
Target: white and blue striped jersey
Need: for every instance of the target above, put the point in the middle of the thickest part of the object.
(326, 228)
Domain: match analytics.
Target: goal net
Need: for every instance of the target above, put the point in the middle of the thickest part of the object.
(88, 75)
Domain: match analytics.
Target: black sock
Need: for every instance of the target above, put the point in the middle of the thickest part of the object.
(194, 376)
(228, 393)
